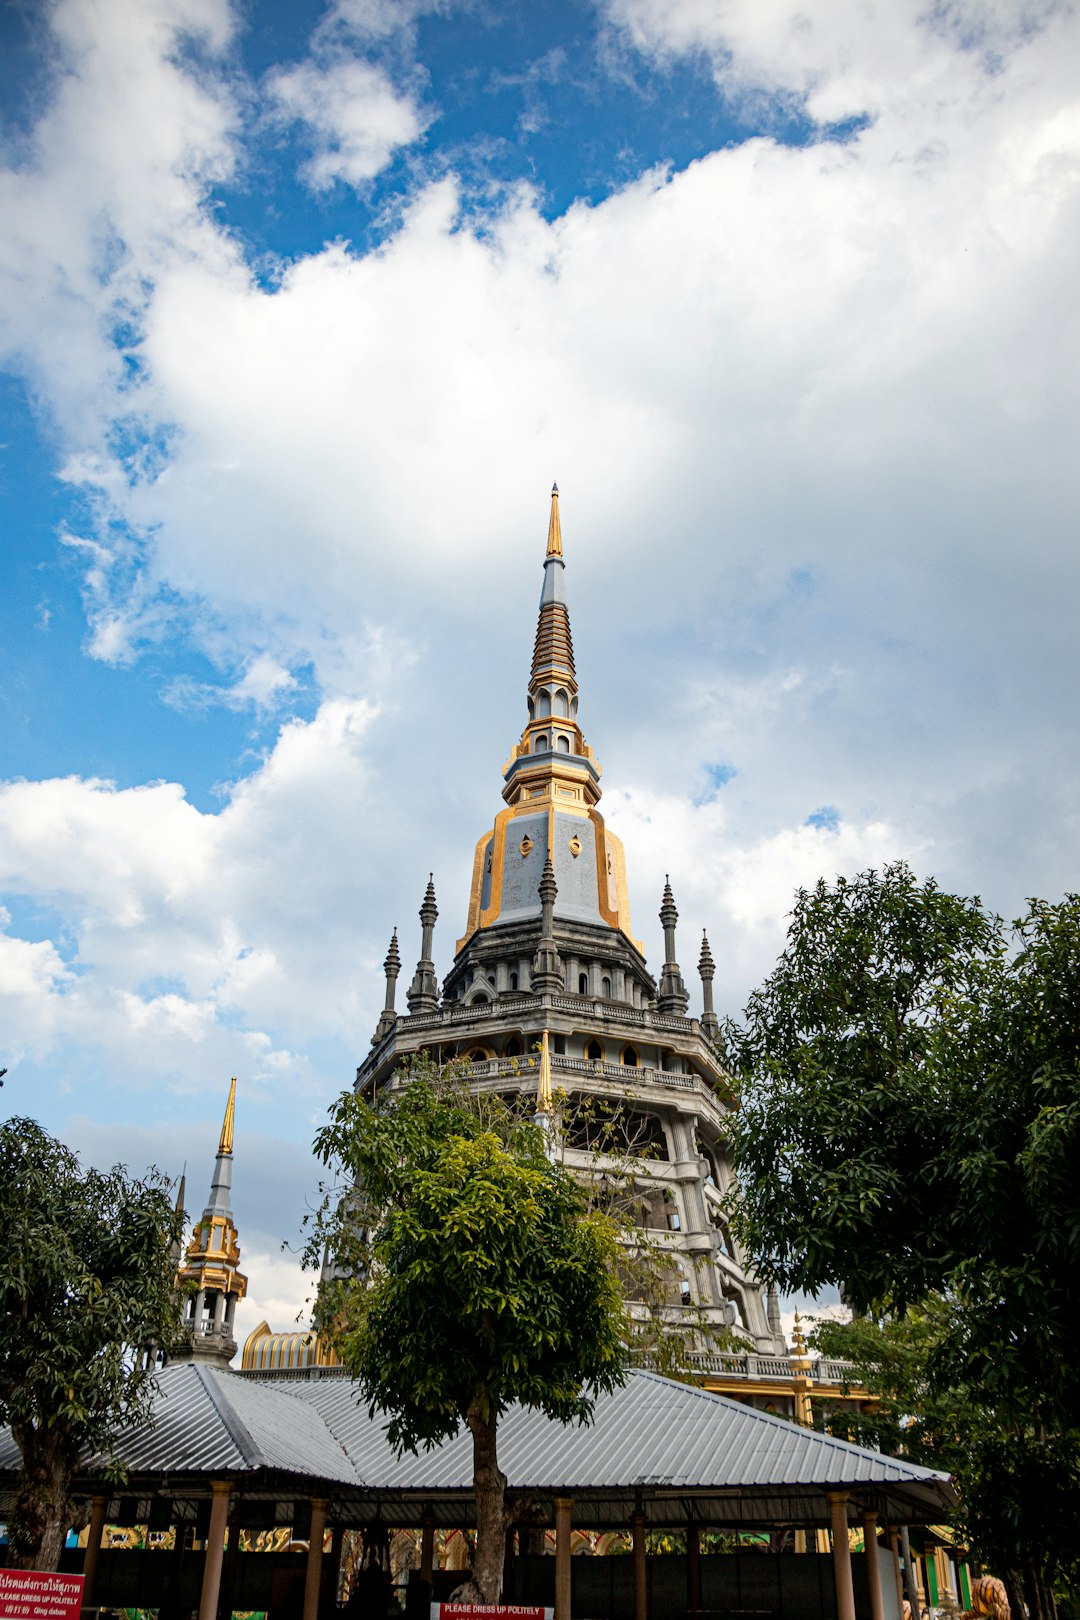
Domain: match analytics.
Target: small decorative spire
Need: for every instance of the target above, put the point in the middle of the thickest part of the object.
(672, 996)
(548, 973)
(423, 993)
(554, 539)
(707, 971)
(226, 1139)
(391, 967)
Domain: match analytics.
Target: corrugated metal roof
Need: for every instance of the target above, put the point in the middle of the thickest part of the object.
(210, 1422)
(651, 1432)
(652, 1439)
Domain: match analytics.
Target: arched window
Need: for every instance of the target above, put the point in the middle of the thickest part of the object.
(562, 702)
(513, 1047)
(573, 708)
(594, 1052)
(532, 710)
(605, 987)
(630, 1057)
(513, 981)
(563, 743)
(543, 705)
(541, 744)
(583, 984)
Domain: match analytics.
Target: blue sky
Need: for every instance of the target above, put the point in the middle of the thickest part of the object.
(303, 307)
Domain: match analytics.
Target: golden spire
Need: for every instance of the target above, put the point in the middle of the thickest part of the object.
(543, 1088)
(225, 1144)
(554, 547)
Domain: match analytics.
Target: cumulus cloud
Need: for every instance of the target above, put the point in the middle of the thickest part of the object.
(813, 412)
(355, 117)
(204, 942)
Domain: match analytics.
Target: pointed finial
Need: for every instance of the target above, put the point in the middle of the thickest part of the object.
(393, 956)
(554, 540)
(706, 965)
(668, 914)
(181, 1190)
(226, 1140)
(428, 906)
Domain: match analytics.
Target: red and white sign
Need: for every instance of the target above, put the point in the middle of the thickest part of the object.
(33, 1594)
(489, 1611)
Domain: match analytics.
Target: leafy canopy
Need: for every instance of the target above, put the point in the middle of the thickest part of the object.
(472, 1272)
(911, 1128)
(86, 1279)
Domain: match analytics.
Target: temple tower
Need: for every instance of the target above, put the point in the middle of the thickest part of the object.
(210, 1271)
(549, 995)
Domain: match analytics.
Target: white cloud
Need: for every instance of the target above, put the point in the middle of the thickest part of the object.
(204, 942)
(813, 411)
(355, 116)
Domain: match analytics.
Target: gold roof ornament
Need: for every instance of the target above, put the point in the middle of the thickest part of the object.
(543, 1087)
(554, 545)
(226, 1141)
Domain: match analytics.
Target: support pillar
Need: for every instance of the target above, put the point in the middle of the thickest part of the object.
(873, 1565)
(99, 1506)
(427, 1546)
(215, 1550)
(508, 1562)
(313, 1574)
(337, 1548)
(563, 1504)
(894, 1548)
(841, 1550)
(800, 1541)
(693, 1569)
(911, 1576)
(641, 1590)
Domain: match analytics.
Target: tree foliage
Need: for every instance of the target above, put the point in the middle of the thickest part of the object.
(910, 1126)
(1018, 1483)
(86, 1281)
(470, 1274)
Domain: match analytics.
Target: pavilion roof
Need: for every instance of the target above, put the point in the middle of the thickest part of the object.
(673, 1449)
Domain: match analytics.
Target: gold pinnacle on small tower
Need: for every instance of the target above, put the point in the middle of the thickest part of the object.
(554, 545)
(226, 1140)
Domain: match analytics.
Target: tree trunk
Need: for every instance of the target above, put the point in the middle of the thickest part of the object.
(42, 1513)
(489, 1488)
(1014, 1588)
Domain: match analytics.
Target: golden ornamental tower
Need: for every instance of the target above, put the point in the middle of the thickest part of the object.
(209, 1272)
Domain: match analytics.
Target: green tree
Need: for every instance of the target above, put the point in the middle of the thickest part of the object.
(87, 1276)
(910, 1122)
(1018, 1483)
(470, 1274)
